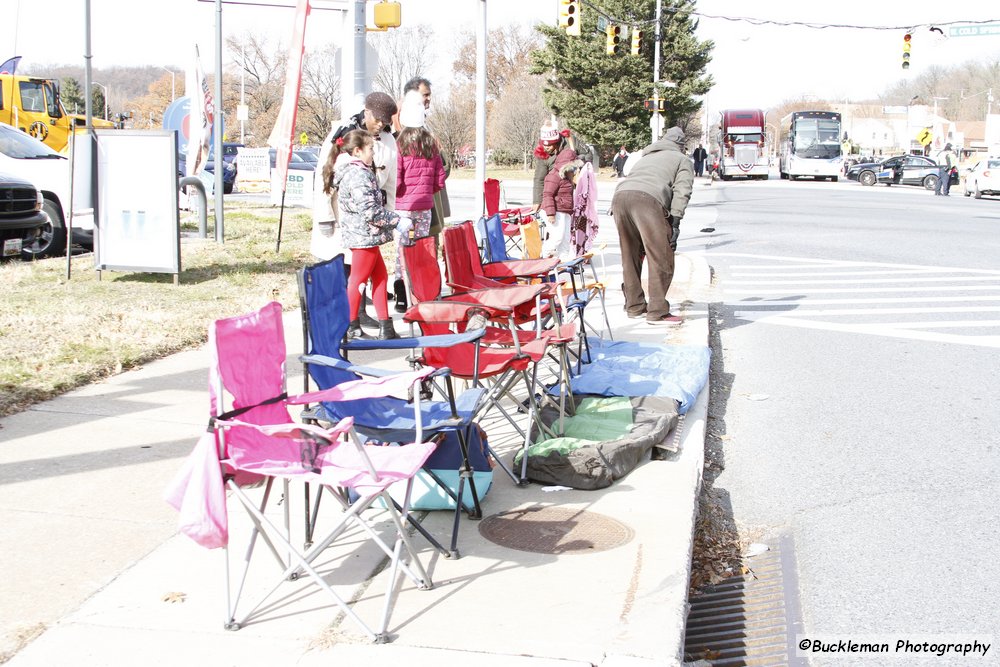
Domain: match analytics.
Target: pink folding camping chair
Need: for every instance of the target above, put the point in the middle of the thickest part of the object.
(256, 440)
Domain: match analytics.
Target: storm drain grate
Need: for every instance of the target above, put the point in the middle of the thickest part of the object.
(750, 619)
(553, 530)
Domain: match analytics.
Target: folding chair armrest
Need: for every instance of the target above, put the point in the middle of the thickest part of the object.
(331, 362)
(447, 340)
(375, 344)
(453, 311)
(520, 268)
(392, 385)
(572, 263)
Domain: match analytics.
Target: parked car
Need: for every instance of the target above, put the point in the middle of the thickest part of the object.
(296, 161)
(229, 152)
(21, 217)
(30, 159)
(308, 156)
(899, 170)
(228, 171)
(984, 178)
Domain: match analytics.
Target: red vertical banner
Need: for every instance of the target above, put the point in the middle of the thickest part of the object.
(284, 128)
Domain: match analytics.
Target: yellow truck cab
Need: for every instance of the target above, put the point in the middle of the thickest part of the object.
(32, 105)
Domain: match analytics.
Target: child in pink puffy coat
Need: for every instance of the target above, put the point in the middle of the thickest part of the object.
(420, 173)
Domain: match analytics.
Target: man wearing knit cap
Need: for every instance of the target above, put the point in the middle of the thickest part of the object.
(648, 205)
(376, 118)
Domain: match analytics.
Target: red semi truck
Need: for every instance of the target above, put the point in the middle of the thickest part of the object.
(742, 144)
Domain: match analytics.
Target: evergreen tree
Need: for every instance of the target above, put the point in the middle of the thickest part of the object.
(601, 96)
(71, 93)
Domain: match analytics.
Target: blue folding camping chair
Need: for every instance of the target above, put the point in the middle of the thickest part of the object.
(323, 300)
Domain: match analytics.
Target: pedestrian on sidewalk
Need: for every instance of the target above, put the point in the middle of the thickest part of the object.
(545, 157)
(420, 175)
(648, 206)
(375, 118)
(557, 194)
(366, 224)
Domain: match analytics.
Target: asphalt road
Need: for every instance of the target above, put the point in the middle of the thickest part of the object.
(860, 329)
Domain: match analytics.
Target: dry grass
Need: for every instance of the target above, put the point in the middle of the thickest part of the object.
(59, 334)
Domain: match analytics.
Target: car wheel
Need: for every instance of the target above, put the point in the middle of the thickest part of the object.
(867, 178)
(227, 188)
(930, 182)
(834, 178)
(51, 240)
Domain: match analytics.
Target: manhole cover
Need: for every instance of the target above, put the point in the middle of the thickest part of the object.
(553, 530)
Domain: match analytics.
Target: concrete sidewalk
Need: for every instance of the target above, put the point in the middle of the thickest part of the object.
(93, 563)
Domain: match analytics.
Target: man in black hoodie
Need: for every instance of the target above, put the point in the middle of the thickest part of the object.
(648, 206)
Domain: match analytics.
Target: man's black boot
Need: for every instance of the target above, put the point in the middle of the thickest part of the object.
(399, 288)
(385, 330)
(354, 331)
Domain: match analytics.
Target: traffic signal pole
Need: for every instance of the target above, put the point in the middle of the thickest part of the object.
(656, 126)
(481, 106)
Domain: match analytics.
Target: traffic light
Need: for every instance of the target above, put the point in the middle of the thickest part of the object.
(569, 17)
(906, 50)
(613, 45)
(387, 14)
(636, 41)
(655, 104)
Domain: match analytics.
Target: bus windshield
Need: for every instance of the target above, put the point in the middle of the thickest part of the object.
(817, 138)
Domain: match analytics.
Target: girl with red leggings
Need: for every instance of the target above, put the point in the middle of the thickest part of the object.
(365, 224)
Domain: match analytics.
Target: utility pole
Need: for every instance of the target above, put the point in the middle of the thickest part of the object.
(656, 125)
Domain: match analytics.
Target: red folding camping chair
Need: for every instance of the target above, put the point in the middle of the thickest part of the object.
(493, 305)
(252, 438)
(495, 203)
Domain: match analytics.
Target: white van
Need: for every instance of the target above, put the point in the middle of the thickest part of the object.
(33, 161)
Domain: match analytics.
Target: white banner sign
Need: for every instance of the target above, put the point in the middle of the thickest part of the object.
(253, 169)
(298, 190)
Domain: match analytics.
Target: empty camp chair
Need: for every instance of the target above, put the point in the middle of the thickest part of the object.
(252, 438)
(512, 219)
(323, 301)
(437, 313)
(579, 279)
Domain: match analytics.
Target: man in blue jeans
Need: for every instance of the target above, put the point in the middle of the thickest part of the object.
(946, 161)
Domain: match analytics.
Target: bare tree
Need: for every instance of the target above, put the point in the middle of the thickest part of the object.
(320, 95)
(517, 116)
(264, 68)
(508, 55)
(452, 120)
(403, 53)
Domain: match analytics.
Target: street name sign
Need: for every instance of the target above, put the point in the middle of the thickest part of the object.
(990, 29)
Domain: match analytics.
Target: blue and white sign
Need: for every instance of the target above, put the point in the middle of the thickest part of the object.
(986, 29)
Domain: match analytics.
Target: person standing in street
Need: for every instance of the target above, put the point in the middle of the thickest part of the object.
(619, 162)
(946, 162)
(699, 156)
(648, 206)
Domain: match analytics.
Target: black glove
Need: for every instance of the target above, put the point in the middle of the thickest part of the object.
(675, 232)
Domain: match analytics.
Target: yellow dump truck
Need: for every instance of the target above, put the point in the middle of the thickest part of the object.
(32, 105)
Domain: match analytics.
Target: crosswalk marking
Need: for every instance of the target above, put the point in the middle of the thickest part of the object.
(877, 298)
